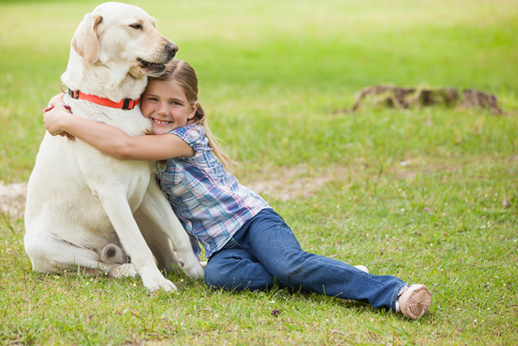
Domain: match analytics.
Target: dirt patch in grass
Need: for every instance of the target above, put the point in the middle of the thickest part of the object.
(290, 183)
(281, 183)
(12, 199)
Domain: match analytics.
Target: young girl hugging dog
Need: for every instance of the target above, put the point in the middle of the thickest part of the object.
(248, 245)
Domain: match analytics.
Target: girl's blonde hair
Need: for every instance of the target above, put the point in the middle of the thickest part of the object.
(183, 74)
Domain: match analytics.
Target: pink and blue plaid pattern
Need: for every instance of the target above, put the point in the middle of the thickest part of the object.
(209, 202)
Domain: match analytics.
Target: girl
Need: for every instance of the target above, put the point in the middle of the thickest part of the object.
(248, 245)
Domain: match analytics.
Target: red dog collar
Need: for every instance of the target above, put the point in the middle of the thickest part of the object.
(125, 104)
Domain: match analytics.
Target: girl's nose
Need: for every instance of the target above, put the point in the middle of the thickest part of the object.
(162, 108)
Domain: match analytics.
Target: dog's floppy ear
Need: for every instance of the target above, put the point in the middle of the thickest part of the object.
(85, 41)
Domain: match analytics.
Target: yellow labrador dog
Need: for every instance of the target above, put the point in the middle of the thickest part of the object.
(86, 209)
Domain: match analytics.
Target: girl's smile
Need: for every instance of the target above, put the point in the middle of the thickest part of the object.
(165, 104)
(159, 122)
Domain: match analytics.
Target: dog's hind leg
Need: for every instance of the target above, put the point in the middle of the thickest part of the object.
(52, 255)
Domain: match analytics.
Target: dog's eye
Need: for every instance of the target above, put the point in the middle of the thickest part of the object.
(137, 26)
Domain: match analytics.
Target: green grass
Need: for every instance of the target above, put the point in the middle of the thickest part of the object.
(416, 193)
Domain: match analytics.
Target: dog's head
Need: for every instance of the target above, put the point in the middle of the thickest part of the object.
(117, 34)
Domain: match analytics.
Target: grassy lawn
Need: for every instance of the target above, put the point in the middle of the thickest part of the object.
(428, 194)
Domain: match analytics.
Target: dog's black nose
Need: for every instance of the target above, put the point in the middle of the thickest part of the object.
(171, 48)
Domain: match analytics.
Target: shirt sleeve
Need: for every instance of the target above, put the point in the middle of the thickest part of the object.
(194, 135)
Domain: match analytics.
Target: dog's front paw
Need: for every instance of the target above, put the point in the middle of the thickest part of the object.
(162, 284)
(126, 269)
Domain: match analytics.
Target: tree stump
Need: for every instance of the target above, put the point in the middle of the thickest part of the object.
(404, 98)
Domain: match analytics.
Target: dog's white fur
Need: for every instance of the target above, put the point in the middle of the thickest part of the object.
(82, 205)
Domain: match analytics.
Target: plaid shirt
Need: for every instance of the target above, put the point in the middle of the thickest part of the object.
(209, 202)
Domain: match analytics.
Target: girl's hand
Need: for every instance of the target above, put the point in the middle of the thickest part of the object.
(57, 101)
(55, 115)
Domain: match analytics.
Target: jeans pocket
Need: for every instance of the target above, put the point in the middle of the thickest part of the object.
(232, 244)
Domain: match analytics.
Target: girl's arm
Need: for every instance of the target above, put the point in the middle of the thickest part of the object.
(113, 141)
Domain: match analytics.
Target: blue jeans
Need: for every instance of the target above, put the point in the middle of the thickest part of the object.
(265, 251)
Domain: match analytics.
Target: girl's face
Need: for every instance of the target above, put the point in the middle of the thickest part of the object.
(165, 104)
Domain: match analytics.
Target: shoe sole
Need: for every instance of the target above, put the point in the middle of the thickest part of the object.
(415, 301)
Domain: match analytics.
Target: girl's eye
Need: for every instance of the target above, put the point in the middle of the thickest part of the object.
(137, 26)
